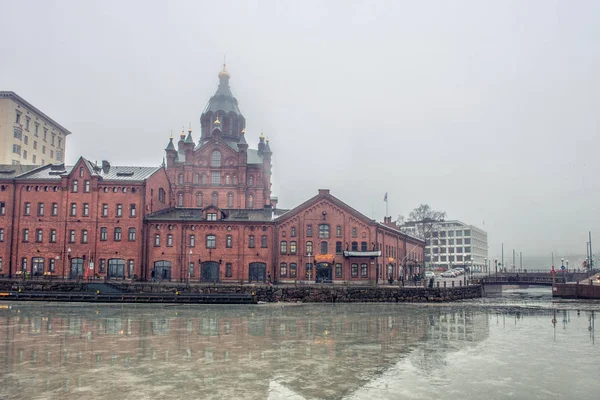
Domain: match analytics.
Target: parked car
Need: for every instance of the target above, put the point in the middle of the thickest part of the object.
(459, 270)
(429, 274)
(448, 274)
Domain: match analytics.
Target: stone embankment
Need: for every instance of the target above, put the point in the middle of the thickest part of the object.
(265, 293)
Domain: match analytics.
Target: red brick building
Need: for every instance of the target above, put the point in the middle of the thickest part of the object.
(205, 215)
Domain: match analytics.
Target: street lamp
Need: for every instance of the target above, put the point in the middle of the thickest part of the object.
(496, 266)
(486, 265)
(562, 267)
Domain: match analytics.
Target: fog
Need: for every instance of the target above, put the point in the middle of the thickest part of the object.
(487, 110)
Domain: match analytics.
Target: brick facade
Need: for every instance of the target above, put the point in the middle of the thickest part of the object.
(206, 215)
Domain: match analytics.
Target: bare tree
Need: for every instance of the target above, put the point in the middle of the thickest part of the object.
(421, 221)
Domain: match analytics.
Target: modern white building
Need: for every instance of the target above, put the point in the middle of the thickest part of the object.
(27, 135)
(454, 244)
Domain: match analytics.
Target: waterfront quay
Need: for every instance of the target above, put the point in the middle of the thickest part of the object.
(172, 292)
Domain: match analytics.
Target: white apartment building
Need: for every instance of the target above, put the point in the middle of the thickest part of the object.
(27, 135)
(456, 244)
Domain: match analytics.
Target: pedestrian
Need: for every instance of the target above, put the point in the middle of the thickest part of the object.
(269, 279)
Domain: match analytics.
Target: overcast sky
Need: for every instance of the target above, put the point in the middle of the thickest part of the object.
(486, 110)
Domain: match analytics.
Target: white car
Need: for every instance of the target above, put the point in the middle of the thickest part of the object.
(429, 274)
(448, 274)
(459, 271)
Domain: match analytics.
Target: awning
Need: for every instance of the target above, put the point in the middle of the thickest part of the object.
(375, 253)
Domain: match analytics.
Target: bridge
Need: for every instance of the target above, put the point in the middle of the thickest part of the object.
(526, 280)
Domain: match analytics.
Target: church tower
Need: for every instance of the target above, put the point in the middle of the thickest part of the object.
(220, 169)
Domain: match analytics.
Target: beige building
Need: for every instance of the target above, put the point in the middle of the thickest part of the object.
(27, 135)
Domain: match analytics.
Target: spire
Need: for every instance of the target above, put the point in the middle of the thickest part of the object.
(170, 146)
(268, 148)
(261, 144)
(189, 139)
(242, 141)
(182, 136)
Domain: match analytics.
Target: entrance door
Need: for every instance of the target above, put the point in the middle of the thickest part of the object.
(116, 268)
(76, 268)
(323, 273)
(257, 272)
(209, 271)
(162, 270)
(37, 266)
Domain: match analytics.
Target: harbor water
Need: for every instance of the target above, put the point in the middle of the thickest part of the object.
(519, 345)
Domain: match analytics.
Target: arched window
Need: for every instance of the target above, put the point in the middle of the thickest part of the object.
(230, 200)
(180, 200)
(196, 179)
(203, 179)
(227, 180)
(251, 180)
(162, 195)
(180, 179)
(250, 201)
(199, 199)
(215, 198)
(216, 158)
(235, 179)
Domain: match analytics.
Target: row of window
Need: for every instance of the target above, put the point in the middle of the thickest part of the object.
(72, 209)
(450, 258)
(459, 233)
(37, 128)
(451, 242)
(283, 247)
(214, 200)
(211, 241)
(116, 266)
(71, 237)
(436, 250)
(324, 231)
(291, 270)
(17, 148)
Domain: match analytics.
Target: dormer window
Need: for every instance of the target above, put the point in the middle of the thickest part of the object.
(216, 158)
(211, 216)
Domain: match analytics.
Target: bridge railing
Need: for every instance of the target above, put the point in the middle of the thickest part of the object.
(514, 280)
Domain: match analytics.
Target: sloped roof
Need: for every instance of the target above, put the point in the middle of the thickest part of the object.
(197, 214)
(223, 99)
(15, 97)
(9, 171)
(115, 172)
(324, 195)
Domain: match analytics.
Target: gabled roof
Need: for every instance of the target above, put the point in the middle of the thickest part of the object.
(253, 156)
(324, 195)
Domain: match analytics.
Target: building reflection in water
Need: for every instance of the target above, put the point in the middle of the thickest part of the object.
(324, 351)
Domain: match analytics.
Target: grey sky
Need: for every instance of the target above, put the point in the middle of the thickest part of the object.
(487, 110)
